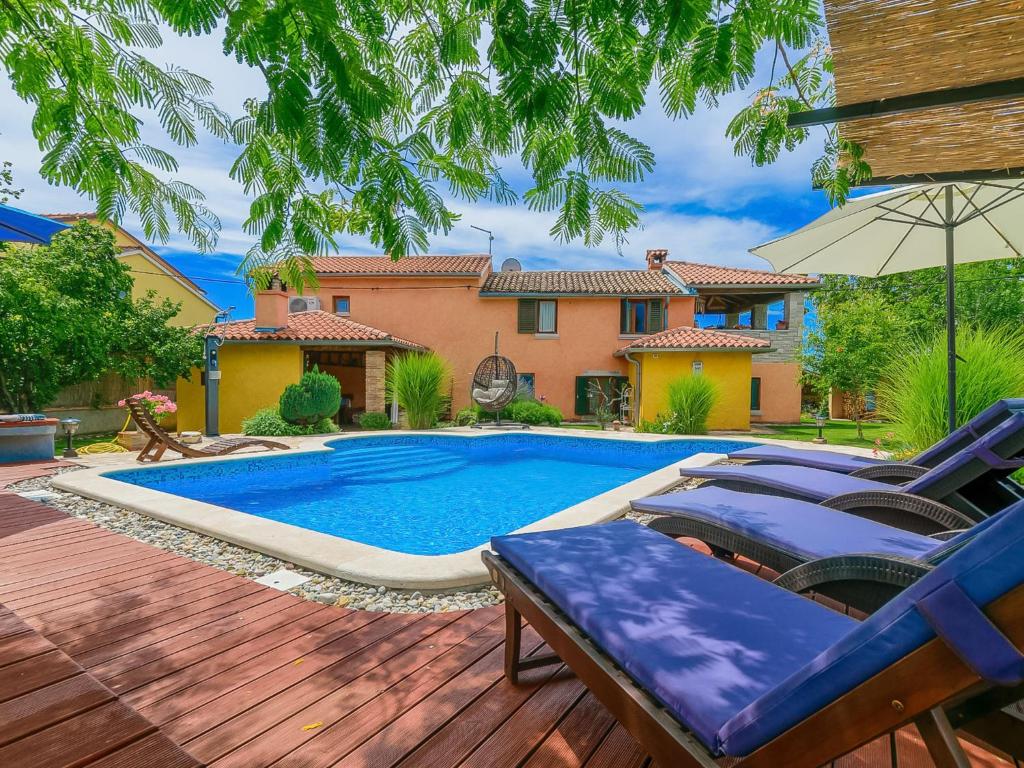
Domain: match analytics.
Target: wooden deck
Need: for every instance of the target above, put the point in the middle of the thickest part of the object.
(241, 675)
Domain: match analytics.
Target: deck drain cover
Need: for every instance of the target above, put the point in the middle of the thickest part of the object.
(39, 495)
(282, 579)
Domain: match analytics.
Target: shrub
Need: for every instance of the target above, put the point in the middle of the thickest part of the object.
(467, 417)
(690, 400)
(268, 422)
(417, 382)
(317, 396)
(913, 390)
(532, 412)
(374, 420)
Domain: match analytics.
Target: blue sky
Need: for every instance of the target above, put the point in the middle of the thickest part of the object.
(701, 202)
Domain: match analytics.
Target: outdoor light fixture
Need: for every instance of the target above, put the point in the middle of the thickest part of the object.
(70, 426)
(819, 420)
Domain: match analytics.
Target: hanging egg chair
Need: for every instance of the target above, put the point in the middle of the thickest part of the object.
(494, 383)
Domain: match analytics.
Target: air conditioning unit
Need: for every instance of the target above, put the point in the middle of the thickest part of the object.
(303, 304)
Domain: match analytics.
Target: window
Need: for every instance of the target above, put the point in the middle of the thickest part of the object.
(341, 305)
(755, 393)
(639, 316)
(538, 316)
(595, 391)
(526, 386)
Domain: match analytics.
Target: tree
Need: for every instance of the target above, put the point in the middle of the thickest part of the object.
(68, 317)
(375, 110)
(850, 349)
(7, 189)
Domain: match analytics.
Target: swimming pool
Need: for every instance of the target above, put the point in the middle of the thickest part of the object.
(422, 494)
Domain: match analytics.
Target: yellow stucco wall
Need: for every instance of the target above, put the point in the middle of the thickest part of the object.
(253, 376)
(194, 311)
(729, 370)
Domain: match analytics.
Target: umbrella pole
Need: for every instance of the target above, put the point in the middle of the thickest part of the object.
(950, 311)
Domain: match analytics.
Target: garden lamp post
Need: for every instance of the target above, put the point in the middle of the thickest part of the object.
(70, 427)
(819, 420)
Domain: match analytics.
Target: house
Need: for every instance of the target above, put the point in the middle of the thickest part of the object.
(572, 335)
(151, 272)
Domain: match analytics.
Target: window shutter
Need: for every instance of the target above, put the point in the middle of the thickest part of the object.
(527, 315)
(624, 316)
(656, 316)
(582, 396)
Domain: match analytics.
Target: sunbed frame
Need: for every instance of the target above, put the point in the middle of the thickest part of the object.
(160, 440)
(891, 699)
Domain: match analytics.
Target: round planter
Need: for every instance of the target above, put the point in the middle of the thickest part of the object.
(132, 440)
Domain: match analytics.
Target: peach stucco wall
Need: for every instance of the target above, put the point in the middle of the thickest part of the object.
(449, 316)
(780, 392)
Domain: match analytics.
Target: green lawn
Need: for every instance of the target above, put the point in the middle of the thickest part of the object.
(80, 441)
(836, 432)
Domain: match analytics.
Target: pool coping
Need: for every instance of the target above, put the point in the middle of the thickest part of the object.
(364, 563)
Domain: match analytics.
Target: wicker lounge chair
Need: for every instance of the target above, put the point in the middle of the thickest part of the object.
(858, 561)
(160, 440)
(700, 660)
(880, 469)
(973, 481)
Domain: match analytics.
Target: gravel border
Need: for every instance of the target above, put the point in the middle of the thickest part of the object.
(321, 588)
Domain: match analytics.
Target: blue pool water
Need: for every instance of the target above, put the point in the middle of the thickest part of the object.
(423, 494)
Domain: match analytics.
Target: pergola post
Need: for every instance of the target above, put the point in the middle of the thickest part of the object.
(375, 367)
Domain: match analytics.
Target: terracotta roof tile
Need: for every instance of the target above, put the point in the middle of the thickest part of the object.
(696, 275)
(468, 264)
(71, 216)
(686, 337)
(616, 282)
(316, 326)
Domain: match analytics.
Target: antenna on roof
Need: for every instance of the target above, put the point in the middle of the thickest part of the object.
(490, 236)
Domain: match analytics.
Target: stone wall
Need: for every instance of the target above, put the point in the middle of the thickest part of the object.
(375, 363)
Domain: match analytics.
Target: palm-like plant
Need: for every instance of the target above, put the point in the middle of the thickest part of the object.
(418, 382)
(690, 400)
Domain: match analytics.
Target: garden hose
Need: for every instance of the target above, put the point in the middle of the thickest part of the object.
(107, 447)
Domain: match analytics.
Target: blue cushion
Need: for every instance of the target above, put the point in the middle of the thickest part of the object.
(984, 422)
(989, 566)
(705, 638)
(805, 482)
(833, 461)
(801, 529)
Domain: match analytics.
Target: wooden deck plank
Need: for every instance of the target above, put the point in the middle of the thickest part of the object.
(37, 672)
(182, 652)
(209, 680)
(207, 590)
(434, 711)
(22, 645)
(44, 582)
(617, 750)
(354, 713)
(33, 711)
(153, 751)
(575, 738)
(227, 737)
(33, 605)
(334, 655)
(78, 740)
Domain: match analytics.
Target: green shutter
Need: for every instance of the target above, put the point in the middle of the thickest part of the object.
(582, 396)
(527, 315)
(624, 316)
(755, 394)
(655, 316)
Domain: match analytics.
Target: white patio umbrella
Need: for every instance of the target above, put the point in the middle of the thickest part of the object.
(910, 228)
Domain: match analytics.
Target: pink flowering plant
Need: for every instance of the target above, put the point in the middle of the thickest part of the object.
(157, 405)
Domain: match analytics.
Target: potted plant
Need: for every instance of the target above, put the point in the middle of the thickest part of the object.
(158, 406)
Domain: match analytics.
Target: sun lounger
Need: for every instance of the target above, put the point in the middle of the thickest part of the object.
(160, 440)
(861, 562)
(880, 469)
(700, 660)
(969, 481)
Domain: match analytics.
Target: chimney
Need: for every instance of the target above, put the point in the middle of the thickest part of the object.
(272, 308)
(656, 258)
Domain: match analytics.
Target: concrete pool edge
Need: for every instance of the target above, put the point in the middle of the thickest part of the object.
(351, 560)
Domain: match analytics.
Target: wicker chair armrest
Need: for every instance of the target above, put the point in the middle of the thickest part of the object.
(909, 505)
(946, 535)
(888, 570)
(895, 472)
